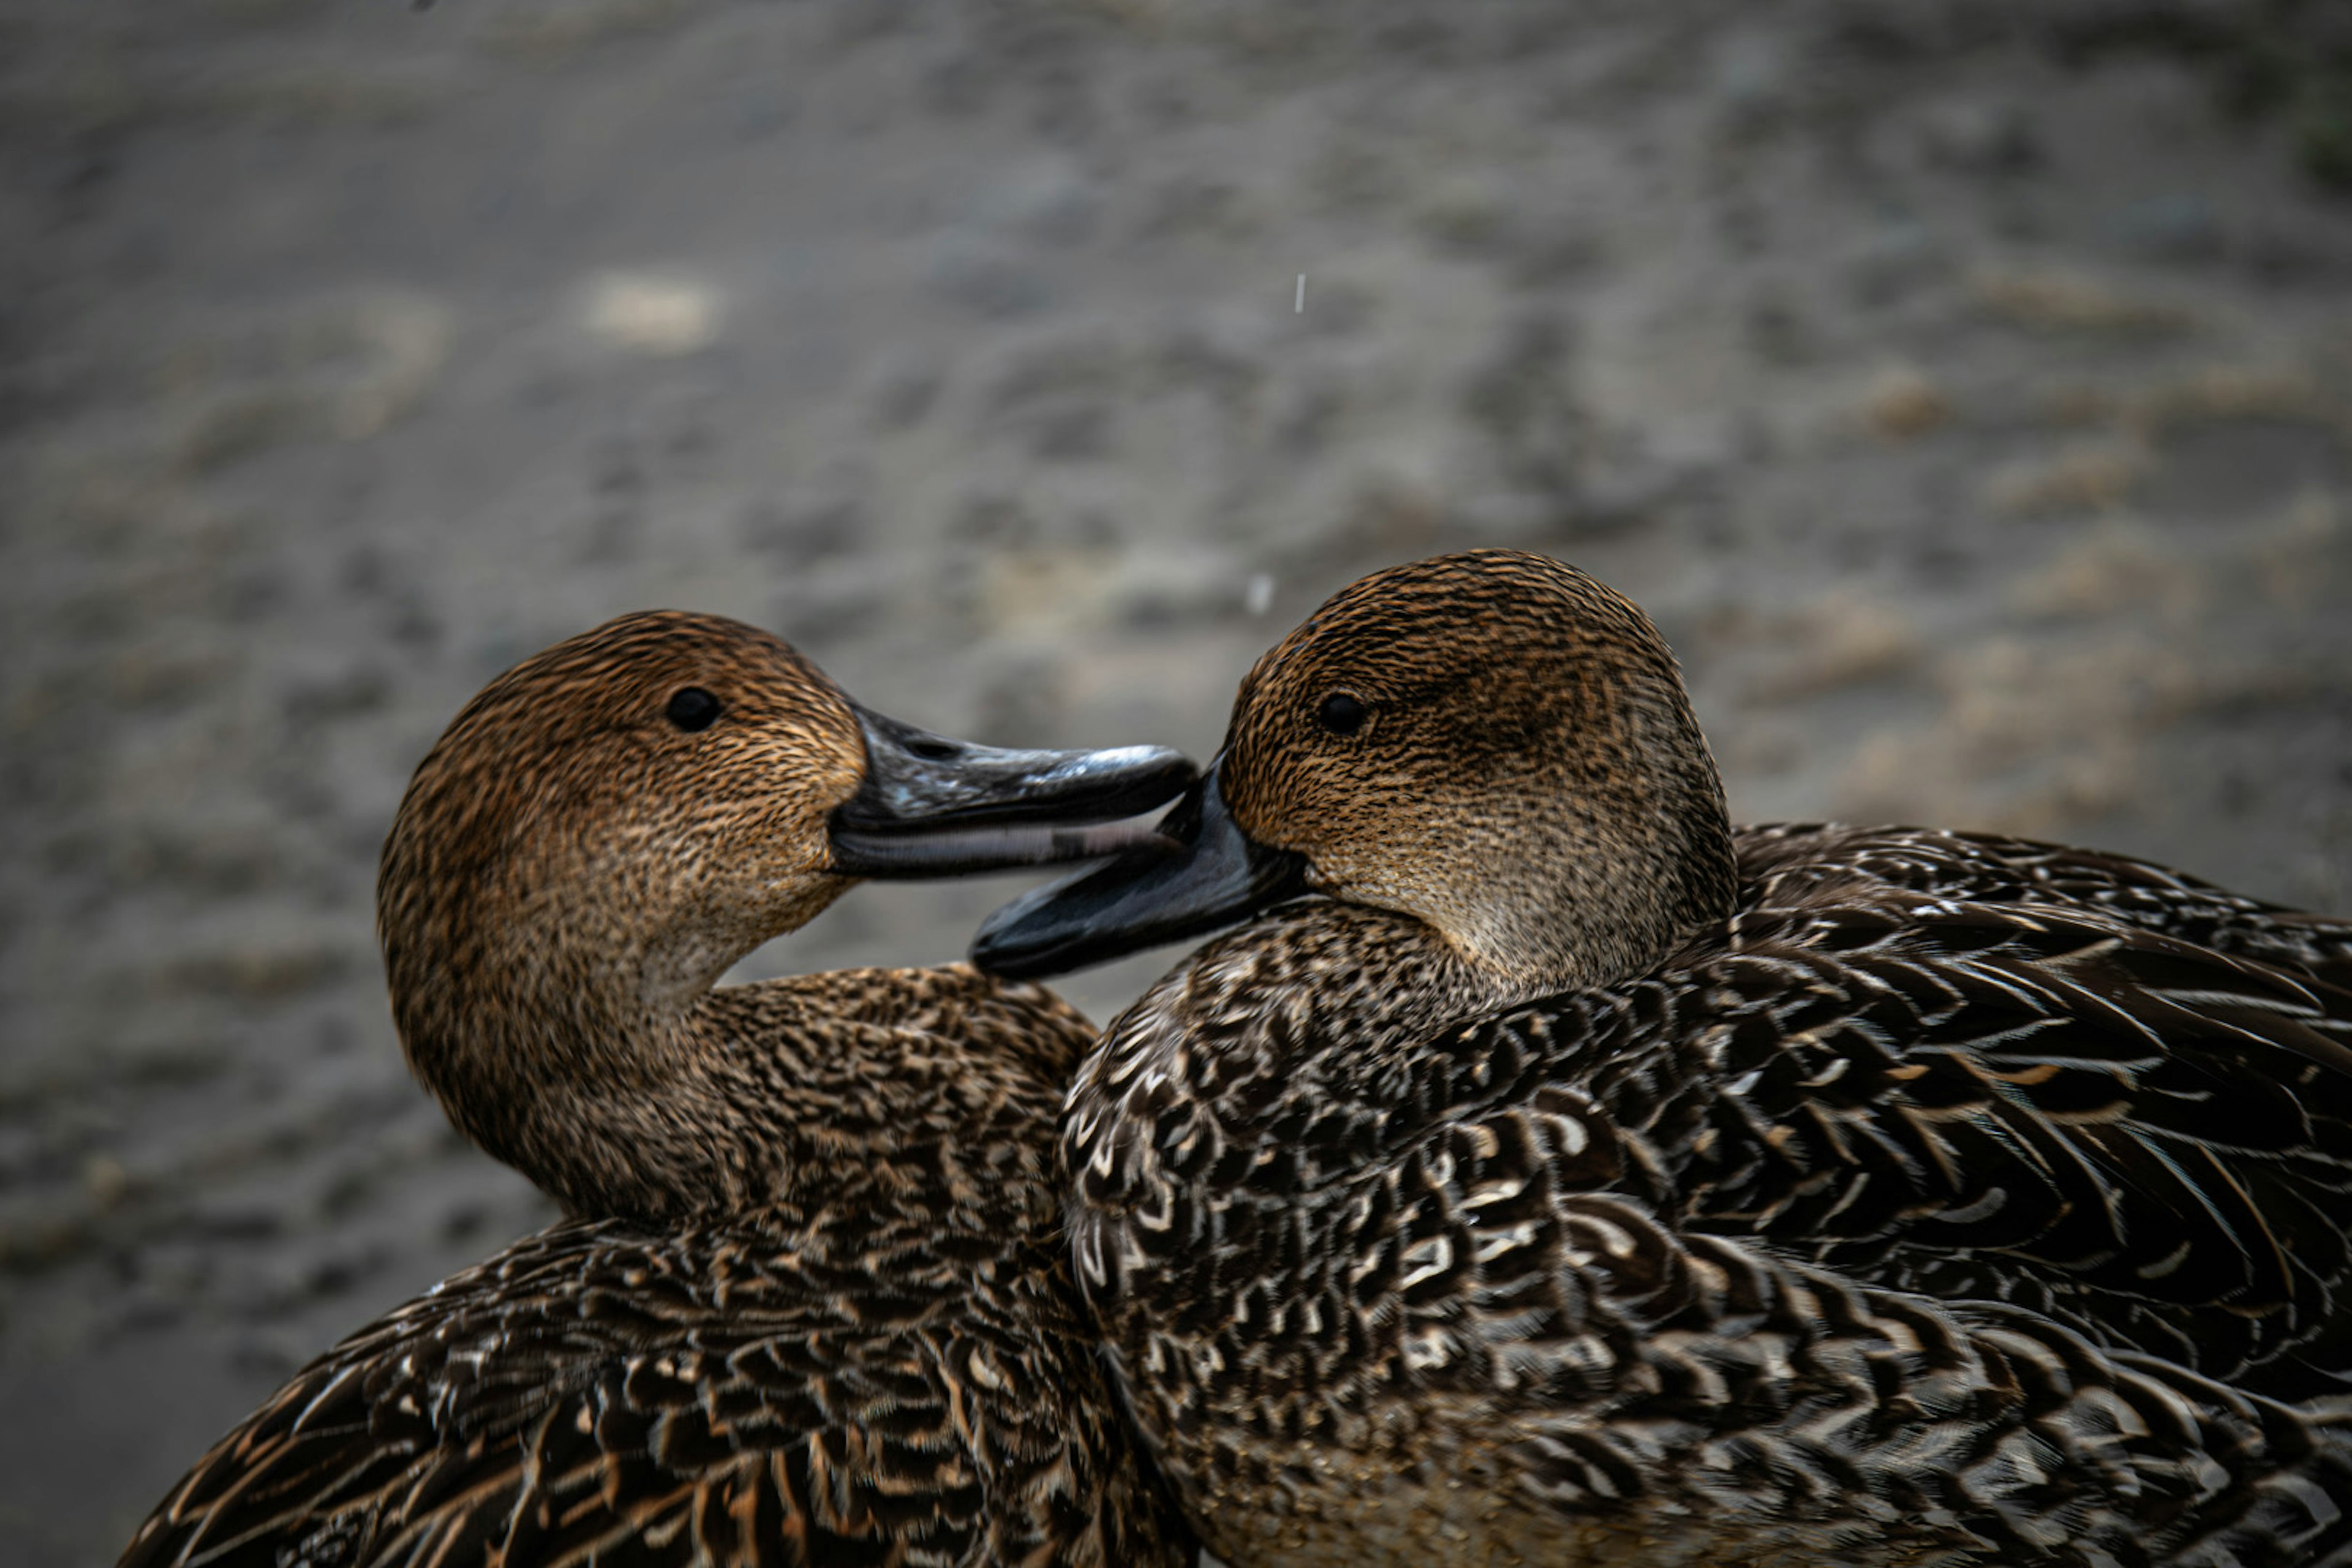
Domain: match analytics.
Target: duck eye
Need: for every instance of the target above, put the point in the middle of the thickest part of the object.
(692, 708)
(1340, 713)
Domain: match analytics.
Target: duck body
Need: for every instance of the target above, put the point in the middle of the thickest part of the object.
(1704, 1268)
(1987, 1067)
(892, 1368)
(810, 1304)
(1829, 1195)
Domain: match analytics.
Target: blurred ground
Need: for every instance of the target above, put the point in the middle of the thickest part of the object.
(1971, 404)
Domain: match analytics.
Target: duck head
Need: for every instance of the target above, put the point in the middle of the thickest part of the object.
(1491, 743)
(611, 824)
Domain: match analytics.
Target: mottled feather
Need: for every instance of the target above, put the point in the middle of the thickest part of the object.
(1376, 1288)
(811, 1306)
(1577, 1182)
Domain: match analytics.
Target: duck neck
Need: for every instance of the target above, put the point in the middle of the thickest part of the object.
(626, 1086)
(594, 1063)
(598, 1096)
(1576, 900)
(1321, 1002)
(1264, 1061)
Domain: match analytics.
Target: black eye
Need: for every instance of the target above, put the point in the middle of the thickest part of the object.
(692, 708)
(1340, 713)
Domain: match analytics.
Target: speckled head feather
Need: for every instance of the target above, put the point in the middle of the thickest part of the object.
(809, 1307)
(1934, 1199)
(566, 774)
(599, 835)
(568, 846)
(1523, 772)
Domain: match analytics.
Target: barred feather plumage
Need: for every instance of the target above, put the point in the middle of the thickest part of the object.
(813, 1307)
(1876, 1196)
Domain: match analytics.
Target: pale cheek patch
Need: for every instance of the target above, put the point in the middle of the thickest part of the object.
(1460, 888)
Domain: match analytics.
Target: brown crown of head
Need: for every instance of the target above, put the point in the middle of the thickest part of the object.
(1498, 745)
(652, 794)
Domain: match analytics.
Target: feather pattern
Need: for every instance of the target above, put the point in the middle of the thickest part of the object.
(890, 1369)
(810, 1305)
(2028, 1099)
(1577, 1182)
(1969, 1235)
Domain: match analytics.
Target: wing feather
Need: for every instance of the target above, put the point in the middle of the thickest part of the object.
(2050, 1094)
(576, 1401)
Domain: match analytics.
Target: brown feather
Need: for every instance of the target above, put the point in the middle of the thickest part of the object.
(1578, 1184)
(811, 1307)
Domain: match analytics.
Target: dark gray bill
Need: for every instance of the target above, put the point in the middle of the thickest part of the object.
(1144, 898)
(930, 806)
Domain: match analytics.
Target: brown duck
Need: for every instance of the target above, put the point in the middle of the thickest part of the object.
(1576, 1180)
(811, 1305)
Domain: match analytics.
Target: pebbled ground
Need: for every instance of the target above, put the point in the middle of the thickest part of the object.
(1966, 389)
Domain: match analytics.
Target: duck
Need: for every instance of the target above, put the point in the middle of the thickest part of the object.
(1542, 1170)
(808, 1304)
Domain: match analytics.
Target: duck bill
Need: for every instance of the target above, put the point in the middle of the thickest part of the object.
(1218, 878)
(930, 806)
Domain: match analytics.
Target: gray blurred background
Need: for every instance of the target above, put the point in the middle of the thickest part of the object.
(1965, 387)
